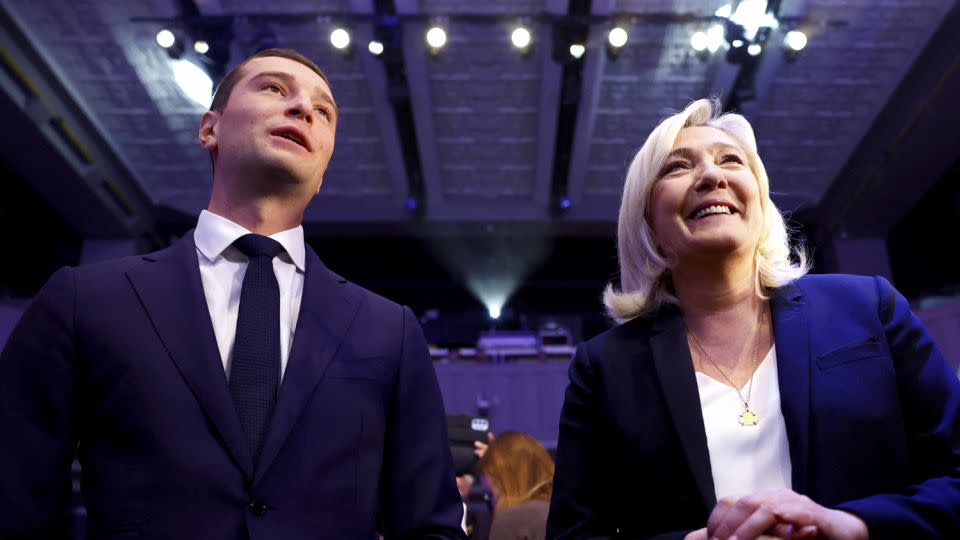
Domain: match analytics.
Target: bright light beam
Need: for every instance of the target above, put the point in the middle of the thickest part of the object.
(194, 81)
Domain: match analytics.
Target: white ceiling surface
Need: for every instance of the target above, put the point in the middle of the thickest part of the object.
(486, 116)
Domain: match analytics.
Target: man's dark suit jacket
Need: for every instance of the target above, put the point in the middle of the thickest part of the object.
(122, 357)
(872, 417)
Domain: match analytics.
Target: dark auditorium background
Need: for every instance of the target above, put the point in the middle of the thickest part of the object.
(482, 177)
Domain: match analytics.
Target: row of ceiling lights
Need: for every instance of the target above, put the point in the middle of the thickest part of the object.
(741, 30)
(744, 21)
(714, 38)
(436, 37)
(748, 17)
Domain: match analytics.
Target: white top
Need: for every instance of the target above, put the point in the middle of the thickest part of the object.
(745, 459)
(222, 267)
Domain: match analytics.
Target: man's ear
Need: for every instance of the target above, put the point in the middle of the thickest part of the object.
(208, 130)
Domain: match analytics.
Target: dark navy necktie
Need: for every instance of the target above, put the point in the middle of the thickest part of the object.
(255, 370)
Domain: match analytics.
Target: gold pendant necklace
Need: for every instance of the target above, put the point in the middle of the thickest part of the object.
(747, 417)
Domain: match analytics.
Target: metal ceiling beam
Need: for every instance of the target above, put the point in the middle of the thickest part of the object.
(594, 62)
(421, 103)
(911, 143)
(54, 142)
(550, 90)
(380, 95)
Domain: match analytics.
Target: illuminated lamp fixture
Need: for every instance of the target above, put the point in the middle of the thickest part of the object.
(520, 37)
(436, 38)
(577, 50)
(340, 39)
(201, 46)
(616, 39)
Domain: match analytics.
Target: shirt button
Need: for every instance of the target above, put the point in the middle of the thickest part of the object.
(258, 507)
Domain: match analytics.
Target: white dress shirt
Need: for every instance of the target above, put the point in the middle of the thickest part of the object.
(222, 267)
(745, 459)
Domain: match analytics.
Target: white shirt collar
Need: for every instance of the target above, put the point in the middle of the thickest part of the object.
(216, 233)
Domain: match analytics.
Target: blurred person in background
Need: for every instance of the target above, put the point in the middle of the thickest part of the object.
(739, 397)
(518, 472)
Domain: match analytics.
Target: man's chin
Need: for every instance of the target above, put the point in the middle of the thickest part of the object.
(282, 172)
(276, 174)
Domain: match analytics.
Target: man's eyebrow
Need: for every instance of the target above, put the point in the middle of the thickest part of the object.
(285, 77)
(288, 79)
(326, 97)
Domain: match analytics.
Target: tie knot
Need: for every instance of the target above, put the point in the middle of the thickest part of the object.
(255, 245)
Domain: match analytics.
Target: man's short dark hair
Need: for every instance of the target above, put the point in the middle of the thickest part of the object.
(225, 88)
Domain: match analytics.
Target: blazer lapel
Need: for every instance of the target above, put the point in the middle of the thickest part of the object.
(170, 289)
(674, 366)
(790, 333)
(327, 309)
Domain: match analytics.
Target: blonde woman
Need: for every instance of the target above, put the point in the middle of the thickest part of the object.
(518, 472)
(738, 397)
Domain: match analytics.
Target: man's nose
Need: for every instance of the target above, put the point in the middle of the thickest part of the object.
(302, 110)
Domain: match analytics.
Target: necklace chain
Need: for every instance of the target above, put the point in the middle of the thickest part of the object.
(753, 369)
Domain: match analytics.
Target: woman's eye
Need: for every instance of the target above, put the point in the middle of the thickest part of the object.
(323, 112)
(273, 87)
(731, 158)
(672, 166)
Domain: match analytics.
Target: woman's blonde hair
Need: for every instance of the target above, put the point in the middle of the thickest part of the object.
(520, 469)
(644, 283)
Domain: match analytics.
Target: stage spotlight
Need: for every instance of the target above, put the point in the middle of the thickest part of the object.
(617, 37)
(754, 49)
(520, 37)
(577, 50)
(194, 81)
(165, 38)
(375, 48)
(752, 15)
(493, 299)
(492, 264)
(796, 40)
(699, 41)
(737, 43)
(340, 38)
(716, 35)
(201, 46)
(565, 203)
(436, 37)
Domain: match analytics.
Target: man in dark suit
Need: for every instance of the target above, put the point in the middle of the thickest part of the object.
(230, 386)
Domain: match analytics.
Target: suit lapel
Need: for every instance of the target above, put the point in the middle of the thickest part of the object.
(327, 309)
(170, 289)
(790, 332)
(671, 357)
